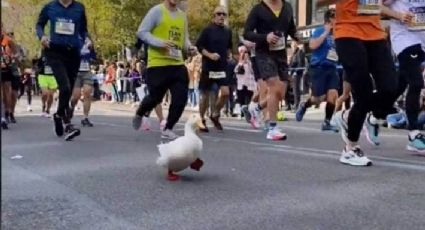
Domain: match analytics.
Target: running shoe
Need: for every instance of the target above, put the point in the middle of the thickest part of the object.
(71, 132)
(86, 123)
(29, 109)
(246, 113)
(12, 118)
(4, 124)
(342, 124)
(371, 130)
(255, 117)
(204, 130)
(354, 157)
(57, 120)
(146, 124)
(326, 126)
(168, 134)
(137, 122)
(416, 142)
(299, 115)
(276, 134)
(216, 121)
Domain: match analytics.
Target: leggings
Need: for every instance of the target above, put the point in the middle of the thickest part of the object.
(372, 75)
(159, 80)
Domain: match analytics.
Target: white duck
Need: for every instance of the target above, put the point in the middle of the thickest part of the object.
(184, 151)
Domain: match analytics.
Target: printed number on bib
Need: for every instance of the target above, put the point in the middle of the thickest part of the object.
(369, 7)
(332, 55)
(217, 75)
(418, 23)
(65, 27)
(48, 70)
(84, 66)
(280, 45)
(175, 53)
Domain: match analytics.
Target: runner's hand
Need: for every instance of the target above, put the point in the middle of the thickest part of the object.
(328, 27)
(272, 38)
(214, 56)
(405, 17)
(169, 45)
(45, 42)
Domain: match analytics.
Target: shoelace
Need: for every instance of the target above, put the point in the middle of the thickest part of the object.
(358, 151)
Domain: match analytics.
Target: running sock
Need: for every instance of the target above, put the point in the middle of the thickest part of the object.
(307, 104)
(329, 110)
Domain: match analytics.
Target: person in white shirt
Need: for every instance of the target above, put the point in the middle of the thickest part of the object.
(407, 31)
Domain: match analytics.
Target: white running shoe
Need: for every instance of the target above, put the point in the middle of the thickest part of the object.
(340, 121)
(354, 157)
(168, 134)
(276, 134)
(29, 109)
(255, 116)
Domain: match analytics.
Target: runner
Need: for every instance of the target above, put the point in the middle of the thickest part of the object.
(48, 85)
(324, 76)
(268, 25)
(68, 24)
(165, 30)
(408, 42)
(215, 45)
(7, 51)
(366, 58)
(84, 82)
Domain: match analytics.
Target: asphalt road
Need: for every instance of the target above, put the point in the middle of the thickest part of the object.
(107, 179)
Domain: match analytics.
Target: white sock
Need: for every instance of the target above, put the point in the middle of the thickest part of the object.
(413, 133)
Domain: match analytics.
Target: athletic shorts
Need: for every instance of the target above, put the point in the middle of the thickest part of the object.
(323, 79)
(84, 78)
(207, 84)
(47, 82)
(257, 75)
(272, 64)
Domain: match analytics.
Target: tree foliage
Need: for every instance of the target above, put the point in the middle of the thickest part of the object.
(113, 23)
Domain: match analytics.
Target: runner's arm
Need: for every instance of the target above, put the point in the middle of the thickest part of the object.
(151, 19)
(401, 16)
(41, 22)
(250, 26)
(317, 39)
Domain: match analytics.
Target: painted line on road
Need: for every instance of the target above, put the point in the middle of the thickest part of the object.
(14, 147)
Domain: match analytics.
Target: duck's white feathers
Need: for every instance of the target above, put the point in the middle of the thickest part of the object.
(177, 155)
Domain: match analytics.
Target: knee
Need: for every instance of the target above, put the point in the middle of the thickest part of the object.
(225, 92)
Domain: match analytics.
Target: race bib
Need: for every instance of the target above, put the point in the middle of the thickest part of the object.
(280, 45)
(175, 53)
(48, 70)
(217, 75)
(369, 7)
(418, 22)
(64, 27)
(332, 55)
(84, 66)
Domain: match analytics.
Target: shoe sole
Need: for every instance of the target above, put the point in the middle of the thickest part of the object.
(253, 124)
(413, 149)
(347, 162)
(72, 135)
(366, 133)
(277, 138)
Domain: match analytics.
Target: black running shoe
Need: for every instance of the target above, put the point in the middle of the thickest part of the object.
(4, 125)
(205, 130)
(58, 125)
(12, 118)
(86, 123)
(216, 122)
(7, 117)
(71, 132)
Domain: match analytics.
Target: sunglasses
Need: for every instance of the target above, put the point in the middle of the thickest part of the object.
(221, 14)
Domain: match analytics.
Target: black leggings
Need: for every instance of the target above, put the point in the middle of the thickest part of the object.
(25, 89)
(363, 60)
(411, 75)
(244, 96)
(65, 64)
(161, 79)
